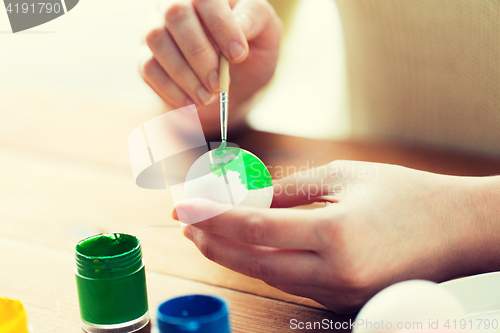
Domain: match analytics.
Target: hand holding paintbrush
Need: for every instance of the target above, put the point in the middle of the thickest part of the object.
(184, 65)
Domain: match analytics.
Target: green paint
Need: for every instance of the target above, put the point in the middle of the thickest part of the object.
(107, 245)
(253, 173)
(111, 279)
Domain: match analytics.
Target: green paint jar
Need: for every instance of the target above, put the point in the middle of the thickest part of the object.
(111, 283)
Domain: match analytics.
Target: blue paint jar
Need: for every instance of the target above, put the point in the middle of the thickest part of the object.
(194, 313)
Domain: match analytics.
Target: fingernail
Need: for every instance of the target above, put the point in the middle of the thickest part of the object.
(183, 216)
(213, 80)
(204, 96)
(188, 233)
(236, 51)
(244, 21)
(192, 211)
(188, 101)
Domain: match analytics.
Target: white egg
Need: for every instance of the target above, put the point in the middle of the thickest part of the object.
(410, 305)
(248, 181)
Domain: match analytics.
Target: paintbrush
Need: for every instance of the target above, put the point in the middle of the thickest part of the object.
(224, 96)
(223, 155)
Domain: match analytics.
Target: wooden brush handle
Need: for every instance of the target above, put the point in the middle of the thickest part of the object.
(224, 74)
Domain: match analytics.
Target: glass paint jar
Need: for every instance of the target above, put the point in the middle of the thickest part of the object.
(111, 283)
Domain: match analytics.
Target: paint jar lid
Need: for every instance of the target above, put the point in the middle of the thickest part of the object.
(12, 316)
(194, 313)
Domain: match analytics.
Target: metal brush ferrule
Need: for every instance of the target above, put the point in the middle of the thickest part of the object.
(224, 98)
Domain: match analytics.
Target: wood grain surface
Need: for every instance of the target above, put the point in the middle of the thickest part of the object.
(65, 175)
(42, 277)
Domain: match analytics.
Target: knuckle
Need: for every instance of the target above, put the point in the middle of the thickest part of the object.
(353, 278)
(177, 72)
(206, 250)
(358, 275)
(334, 226)
(332, 229)
(327, 233)
(355, 274)
(153, 37)
(219, 21)
(255, 229)
(259, 270)
(199, 50)
(177, 11)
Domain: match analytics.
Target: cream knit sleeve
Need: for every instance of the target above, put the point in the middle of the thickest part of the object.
(424, 71)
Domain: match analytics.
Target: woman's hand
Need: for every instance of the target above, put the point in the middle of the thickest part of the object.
(381, 224)
(184, 65)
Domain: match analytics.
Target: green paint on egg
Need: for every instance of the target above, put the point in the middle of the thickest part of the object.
(253, 173)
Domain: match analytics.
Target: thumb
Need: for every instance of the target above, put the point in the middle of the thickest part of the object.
(259, 21)
(301, 188)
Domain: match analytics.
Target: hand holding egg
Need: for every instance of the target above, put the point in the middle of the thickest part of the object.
(376, 230)
(230, 176)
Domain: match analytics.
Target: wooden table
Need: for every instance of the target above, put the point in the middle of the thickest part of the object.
(65, 175)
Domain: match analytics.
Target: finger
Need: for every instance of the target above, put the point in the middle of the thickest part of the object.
(163, 85)
(279, 228)
(218, 17)
(302, 188)
(170, 58)
(256, 18)
(267, 264)
(183, 23)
